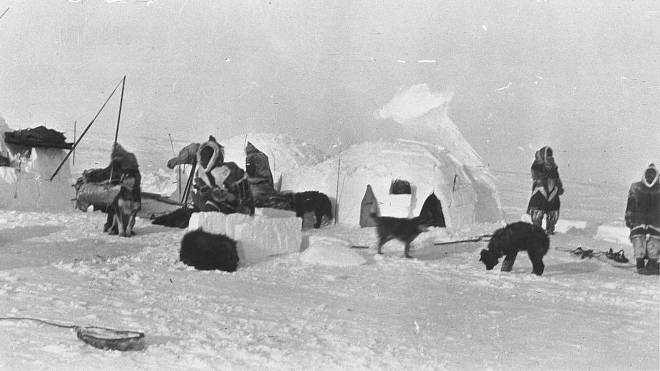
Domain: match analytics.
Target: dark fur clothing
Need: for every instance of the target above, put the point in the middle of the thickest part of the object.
(515, 237)
(313, 201)
(643, 207)
(546, 183)
(208, 251)
(124, 207)
(178, 218)
(402, 229)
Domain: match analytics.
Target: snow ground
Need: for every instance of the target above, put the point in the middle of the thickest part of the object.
(441, 310)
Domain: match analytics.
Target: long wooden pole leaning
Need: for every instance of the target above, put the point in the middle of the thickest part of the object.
(114, 144)
(83, 133)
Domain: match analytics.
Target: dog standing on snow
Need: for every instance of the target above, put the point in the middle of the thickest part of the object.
(124, 207)
(519, 236)
(402, 229)
(314, 201)
(208, 251)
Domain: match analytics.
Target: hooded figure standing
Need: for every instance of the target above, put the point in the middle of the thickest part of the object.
(643, 219)
(546, 189)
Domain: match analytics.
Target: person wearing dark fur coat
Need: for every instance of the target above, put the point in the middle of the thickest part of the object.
(643, 219)
(546, 189)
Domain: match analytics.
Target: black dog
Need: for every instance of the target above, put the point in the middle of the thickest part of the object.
(208, 251)
(124, 207)
(516, 237)
(178, 218)
(402, 229)
(314, 201)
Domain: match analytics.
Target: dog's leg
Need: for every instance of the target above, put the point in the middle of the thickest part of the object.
(381, 242)
(507, 264)
(319, 218)
(114, 228)
(537, 262)
(406, 251)
(122, 224)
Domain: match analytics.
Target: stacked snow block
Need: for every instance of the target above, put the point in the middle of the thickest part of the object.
(258, 236)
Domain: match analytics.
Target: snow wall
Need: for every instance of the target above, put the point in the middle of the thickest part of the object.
(467, 193)
(30, 188)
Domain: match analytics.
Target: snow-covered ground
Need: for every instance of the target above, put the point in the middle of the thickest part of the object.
(441, 310)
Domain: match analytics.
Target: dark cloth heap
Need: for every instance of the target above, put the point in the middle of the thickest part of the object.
(643, 207)
(546, 184)
(40, 136)
(259, 175)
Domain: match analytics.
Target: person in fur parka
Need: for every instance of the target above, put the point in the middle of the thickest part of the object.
(643, 219)
(546, 189)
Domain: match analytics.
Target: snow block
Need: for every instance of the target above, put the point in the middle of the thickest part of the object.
(613, 233)
(275, 213)
(31, 189)
(397, 206)
(330, 251)
(258, 236)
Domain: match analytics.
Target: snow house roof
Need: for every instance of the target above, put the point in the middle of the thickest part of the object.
(467, 193)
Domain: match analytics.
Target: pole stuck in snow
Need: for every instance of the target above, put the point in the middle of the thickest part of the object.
(178, 175)
(337, 189)
(75, 124)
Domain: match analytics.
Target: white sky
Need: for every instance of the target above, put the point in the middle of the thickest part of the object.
(583, 78)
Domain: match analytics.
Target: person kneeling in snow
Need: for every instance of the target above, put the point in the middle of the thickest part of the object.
(546, 189)
(643, 219)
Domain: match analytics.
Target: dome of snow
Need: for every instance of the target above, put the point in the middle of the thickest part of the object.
(467, 194)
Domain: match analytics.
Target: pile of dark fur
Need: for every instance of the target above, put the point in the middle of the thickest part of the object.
(208, 251)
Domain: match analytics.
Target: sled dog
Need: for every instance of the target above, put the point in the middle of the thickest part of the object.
(402, 229)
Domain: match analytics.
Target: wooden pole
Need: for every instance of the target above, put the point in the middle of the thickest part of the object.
(178, 175)
(337, 190)
(74, 140)
(121, 101)
(83, 134)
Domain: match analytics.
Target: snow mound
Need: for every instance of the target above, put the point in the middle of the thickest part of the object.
(467, 194)
(331, 251)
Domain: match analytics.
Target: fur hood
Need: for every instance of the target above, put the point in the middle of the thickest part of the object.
(544, 156)
(652, 171)
(210, 155)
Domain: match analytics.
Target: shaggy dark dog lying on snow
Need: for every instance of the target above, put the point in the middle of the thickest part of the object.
(519, 236)
(208, 251)
(314, 201)
(402, 229)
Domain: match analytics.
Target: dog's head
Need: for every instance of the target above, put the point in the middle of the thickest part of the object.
(489, 259)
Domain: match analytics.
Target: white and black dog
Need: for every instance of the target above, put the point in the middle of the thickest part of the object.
(124, 207)
(519, 236)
